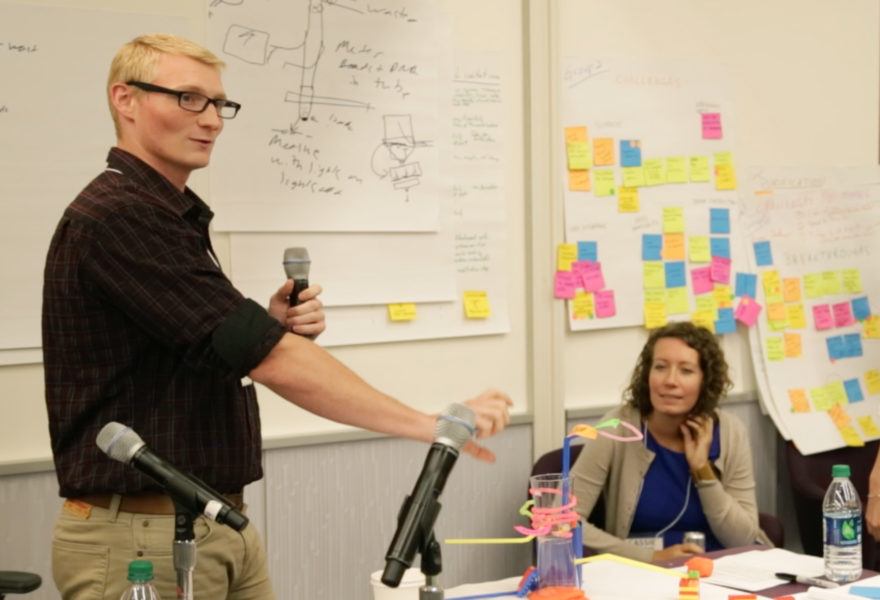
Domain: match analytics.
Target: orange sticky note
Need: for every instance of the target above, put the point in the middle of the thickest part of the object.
(839, 416)
(603, 152)
(791, 289)
(799, 402)
(575, 134)
(673, 246)
(579, 181)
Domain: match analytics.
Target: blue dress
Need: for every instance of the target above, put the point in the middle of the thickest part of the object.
(669, 503)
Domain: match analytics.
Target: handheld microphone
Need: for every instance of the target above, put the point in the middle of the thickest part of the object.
(121, 443)
(420, 509)
(296, 265)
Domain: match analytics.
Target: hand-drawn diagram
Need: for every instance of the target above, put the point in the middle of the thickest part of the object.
(399, 143)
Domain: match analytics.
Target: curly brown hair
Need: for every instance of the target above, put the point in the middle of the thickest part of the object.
(716, 381)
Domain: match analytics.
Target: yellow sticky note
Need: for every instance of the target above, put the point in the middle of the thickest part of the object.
(776, 313)
(580, 155)
(677, 301)
(575, 134)
(852, 281)
(772, 286)
(583, 306)
(813, 285)
(655, 295)
(725, 177)
(704, 318)
(851, 436)
(579, 181)
(723, 296)
(653, 274)
(603, 182)
(655, 315)
(476, 305)
(698, 249)
(402, 311)
(673, 219)
(837, 393)
(603, 152)
(839, 416)
(797, 318)
(872, 326)
(676, 169)
(869, 427)
(673, 246)
(872, 381)
(793, 345)
(655, 171)
(633, 176)
(775, 349)
(705, 302)
(565, 255)
(799, 402)
(628, 200)
(791, 289)
(700, 170)
(820, 398)
(831, 282)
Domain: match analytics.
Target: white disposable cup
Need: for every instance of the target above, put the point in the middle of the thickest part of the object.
(408, 589)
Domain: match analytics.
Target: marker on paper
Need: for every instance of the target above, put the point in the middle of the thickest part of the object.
(807, 580)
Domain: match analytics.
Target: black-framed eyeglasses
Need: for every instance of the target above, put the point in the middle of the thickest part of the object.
(193, 101)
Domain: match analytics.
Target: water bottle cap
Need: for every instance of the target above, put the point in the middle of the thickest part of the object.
(840, 471)
(140, 570)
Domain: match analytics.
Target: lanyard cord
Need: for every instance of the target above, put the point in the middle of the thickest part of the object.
(687, 497)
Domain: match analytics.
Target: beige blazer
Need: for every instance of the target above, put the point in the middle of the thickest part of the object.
(618, 469)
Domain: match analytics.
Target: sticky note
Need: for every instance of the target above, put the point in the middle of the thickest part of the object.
(476, 305)
(704, 318)
(839, 416)
(831, 282)
(860, 308)
(565, 255)
(723, 295)
(707, 302)
(853, 390)
(575, 134)
(579, 155)
(628, 199)
(851, 436)
(726, 323)
(655, 315)
(791, 289)
(605, 306)
(852, 343)
(836, 347)
(746, 285)
(402, 311)
(711, 126)
(579, 181)
(655, 171)
(583, 306)
(675, 274)
(630, 153)
(772, 286)
(725, 177)
(747, 311)
(872, 327)
(822, 317)
(763, 256)
(592, 276)
(852, 281)
(632, 177)
(720, 269)
(676, 169)
(869, 428)
(699, 168)
(603, 182)
(652, 246)
(799, 402)
(588, 250)
(603, 152)
(842, 312)
(673, 219)
(793, 345)
(719, 220)
(653, 275)
(796, 317)
(813, 286)
(677, 302)
(565, 284)
(872, 381)
(698, 249)
(701, 280)
(673, 246)
(775, 351)
(719, 246)
(821, 401)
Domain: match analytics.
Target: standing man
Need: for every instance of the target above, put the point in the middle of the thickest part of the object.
(141, 326)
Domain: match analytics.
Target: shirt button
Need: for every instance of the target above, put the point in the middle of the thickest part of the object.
(146, 523)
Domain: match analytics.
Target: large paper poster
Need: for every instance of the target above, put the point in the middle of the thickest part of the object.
(650, 200)
(813, 239)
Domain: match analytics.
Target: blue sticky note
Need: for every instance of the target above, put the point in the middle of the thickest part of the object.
(861, 309)
(630, 153)
(836, 347)
(746, 285)
(719, 246)
(652, 245)
(675, 274)
(853, 390)
(719, 220)
(864, 591)
(763, 256)
(588, 251)
(853, 344)
(726, 323)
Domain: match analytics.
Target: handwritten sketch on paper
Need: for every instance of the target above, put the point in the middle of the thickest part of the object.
(812, 242)
(650, 200)
(339, 125)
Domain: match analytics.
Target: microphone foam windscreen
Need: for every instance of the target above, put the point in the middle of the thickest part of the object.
(119, 441)
(296, 263)
(456, 426)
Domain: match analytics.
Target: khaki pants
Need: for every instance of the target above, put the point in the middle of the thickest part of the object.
(92, 546)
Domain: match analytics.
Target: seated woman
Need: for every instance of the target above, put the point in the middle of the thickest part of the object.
(692, 471)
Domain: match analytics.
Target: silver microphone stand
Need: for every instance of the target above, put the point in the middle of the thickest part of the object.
(184, 551)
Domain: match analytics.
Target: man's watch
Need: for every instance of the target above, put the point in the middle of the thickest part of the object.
(705, 473)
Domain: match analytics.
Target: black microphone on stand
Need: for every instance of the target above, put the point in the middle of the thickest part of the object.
(296, 265)
(415, 523)
(121, 443)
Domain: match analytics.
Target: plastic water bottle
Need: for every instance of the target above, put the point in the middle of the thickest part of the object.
(140, 574)
(842, 528)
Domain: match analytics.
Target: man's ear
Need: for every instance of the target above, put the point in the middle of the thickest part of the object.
(122, 98)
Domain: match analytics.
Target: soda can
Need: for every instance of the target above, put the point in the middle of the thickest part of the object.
(695, 537)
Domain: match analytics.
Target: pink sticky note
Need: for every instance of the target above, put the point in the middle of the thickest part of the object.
(711, 126)
(565, 284)
(822, 317)
(747, 311)
(720, 269)
(592, 276)
(701, 279)
(843, 314)
(605, 306)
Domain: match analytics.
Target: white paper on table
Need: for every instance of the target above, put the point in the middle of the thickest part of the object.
(756, 569)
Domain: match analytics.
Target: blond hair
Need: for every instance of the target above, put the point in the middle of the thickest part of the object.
(137, 60)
